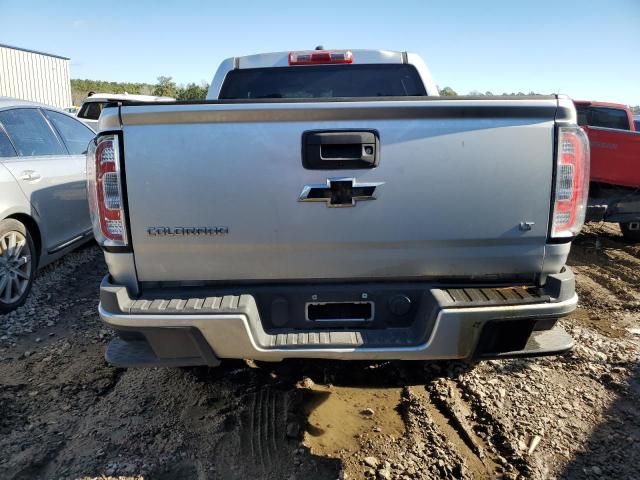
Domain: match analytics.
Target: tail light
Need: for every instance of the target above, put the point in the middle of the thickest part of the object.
(105, 191)
(320, 57)
(572, 182)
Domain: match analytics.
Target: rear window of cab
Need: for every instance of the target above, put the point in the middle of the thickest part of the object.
(323, 81)
(604, 117)
(91, 110)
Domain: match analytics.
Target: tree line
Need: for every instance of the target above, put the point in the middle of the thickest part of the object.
(450, 92)
(166, 87)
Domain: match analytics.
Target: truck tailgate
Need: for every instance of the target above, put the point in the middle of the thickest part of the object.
(213, 191)
(615, 156)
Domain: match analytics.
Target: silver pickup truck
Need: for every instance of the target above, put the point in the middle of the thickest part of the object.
(328, 204)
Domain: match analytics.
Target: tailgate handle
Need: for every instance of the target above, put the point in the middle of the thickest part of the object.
(340, 149)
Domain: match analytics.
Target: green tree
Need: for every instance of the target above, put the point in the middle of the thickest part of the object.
(192, 92)
(80, 88)
(165, 87)
(448, 92)
(520, 94)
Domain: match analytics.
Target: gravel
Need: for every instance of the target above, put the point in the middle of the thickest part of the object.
(48, 297)
(66, 414)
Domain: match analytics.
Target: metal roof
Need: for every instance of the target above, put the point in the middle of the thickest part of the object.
(34, 51)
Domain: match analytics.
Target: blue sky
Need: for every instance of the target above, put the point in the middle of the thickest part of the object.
(587, 49)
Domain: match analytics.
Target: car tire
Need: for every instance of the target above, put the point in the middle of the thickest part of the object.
(628, 234)
(18, 263)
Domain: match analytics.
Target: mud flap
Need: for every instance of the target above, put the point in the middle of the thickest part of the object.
(171, 347)
(540, 342)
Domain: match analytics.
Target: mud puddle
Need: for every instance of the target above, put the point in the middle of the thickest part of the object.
(601, 322)
(340, 418)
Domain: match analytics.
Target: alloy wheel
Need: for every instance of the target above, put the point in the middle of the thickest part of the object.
(15, 266)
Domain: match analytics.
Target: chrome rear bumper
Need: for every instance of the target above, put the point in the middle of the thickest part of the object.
(231, 328)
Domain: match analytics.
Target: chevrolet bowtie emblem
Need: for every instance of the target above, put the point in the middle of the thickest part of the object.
(339, 192)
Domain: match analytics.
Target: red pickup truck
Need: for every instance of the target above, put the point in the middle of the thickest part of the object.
(614, 191)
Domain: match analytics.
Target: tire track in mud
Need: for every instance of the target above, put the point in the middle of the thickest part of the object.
(605, 238)
(496, 436)
(448, 400)
(617, 281)
(593, 293)
(262, 428)
(617, 276)
(265, 433)
(457, 431)
(624, 257)
(606, 270)
(597, 286)
(488, 455)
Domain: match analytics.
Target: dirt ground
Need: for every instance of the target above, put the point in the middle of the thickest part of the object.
(65, 413)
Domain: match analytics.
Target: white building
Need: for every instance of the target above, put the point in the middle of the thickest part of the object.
(36, 76)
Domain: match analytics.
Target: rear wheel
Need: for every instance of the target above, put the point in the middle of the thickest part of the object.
(631, 231)
(17, 264)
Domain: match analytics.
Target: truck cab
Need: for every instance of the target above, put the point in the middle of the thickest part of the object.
(370, 73)
(605, 115)
(615, 164)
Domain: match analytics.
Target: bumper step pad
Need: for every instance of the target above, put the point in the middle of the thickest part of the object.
(187, 306)
(485, 297)
(390, 337)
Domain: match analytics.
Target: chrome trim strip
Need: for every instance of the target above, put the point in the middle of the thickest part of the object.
(68, 243)
(337, 109)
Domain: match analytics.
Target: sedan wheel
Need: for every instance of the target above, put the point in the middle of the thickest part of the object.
(17, 265)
